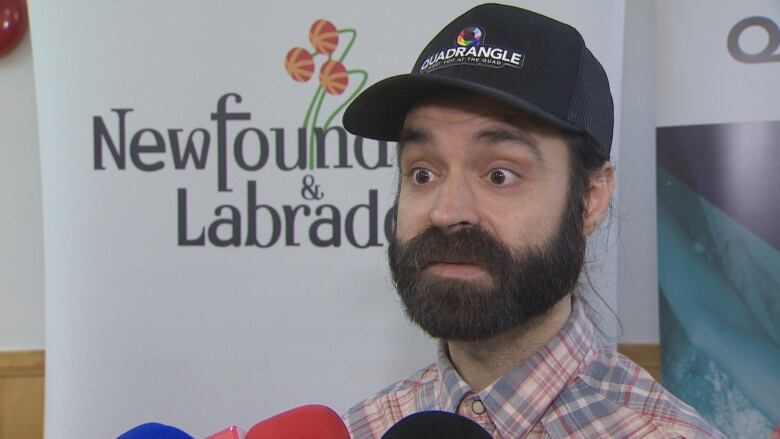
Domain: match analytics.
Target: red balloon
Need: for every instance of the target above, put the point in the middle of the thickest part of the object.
(13, 24)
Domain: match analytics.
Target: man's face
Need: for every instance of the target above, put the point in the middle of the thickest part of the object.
(486, 236)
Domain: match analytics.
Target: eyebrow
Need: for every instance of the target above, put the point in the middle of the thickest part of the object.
(488, 136)
(516, 136)
(411, 135)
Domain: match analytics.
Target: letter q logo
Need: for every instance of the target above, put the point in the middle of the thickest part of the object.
(768, 54)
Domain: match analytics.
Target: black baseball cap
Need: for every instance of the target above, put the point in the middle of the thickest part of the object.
(525, 60)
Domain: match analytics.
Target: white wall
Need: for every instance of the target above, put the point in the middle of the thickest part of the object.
(21, 241)
(636, 204)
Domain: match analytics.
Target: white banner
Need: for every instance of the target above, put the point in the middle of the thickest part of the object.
(214, 240)
(718, 149)
(717, 62)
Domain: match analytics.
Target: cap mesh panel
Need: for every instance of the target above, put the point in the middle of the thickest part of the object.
(591, 105)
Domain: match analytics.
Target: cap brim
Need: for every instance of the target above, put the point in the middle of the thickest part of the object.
(379, 111)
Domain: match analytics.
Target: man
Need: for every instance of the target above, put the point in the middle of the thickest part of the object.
(504, 129)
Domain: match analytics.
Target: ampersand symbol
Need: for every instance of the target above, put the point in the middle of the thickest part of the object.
(310, 191)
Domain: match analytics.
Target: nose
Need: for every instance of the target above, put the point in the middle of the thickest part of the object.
(456, 205)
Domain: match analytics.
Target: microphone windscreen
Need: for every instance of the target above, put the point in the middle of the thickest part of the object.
(306, 422)
(436, 425)
(153, 430)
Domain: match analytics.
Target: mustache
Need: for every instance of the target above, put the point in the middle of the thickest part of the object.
(468, 245)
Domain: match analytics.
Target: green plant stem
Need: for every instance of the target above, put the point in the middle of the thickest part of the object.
(314, 125)
(351, 42)
(319, 97)
(314, 98)
(311, 105)
(351, 97)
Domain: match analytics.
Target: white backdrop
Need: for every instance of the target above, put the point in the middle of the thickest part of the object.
(720, 328)
(140, 328)
(698, 81)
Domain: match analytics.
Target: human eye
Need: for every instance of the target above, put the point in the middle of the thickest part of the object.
(421, 176)
(501, 177)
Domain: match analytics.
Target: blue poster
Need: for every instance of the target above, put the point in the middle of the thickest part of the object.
(719, 271)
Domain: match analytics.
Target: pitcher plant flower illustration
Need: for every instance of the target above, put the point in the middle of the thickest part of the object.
(334, 78)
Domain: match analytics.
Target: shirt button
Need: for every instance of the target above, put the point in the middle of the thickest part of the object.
(477, 407)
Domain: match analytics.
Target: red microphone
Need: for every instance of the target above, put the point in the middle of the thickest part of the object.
(229, 433)
(306, 422)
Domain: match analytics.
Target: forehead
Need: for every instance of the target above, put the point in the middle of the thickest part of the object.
(467, 103)
(476, 117)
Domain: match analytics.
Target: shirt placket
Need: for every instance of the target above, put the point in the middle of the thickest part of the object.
(472, 407)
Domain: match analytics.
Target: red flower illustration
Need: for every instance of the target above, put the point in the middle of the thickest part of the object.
(334, 77)
(324, 36)
(299, 64)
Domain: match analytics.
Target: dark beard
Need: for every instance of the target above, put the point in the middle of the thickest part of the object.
(524, 284)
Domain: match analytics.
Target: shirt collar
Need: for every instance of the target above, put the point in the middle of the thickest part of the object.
(517, 400)
(451, 387)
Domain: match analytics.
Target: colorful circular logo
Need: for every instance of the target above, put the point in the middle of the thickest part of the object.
(471, 36)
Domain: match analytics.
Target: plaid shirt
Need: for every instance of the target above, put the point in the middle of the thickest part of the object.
(572, 387)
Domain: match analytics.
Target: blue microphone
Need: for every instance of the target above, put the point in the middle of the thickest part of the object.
(153, 430)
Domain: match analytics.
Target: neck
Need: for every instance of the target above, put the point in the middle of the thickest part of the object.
(482, 362)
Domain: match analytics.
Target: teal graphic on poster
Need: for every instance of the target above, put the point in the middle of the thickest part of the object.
(719, 271)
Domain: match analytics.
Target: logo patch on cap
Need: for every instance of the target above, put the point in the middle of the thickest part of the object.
(471, 36)
(470, 50)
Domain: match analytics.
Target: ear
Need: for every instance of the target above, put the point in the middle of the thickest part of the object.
(601, 185)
